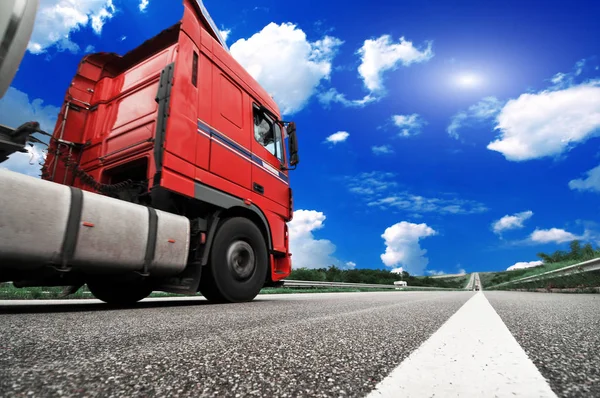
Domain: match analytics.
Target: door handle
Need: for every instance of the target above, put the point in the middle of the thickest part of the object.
(258, 188)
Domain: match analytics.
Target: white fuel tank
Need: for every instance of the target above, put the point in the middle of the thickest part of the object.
(43, 223)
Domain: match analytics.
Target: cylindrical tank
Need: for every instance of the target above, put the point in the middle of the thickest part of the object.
(17, 19)
(43, 223)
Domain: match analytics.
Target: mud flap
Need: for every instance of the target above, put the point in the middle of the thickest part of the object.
(186, 282)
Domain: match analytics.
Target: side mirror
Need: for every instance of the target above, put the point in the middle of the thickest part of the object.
(293, 143)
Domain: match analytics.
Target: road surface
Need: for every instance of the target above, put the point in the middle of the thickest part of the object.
(384, 344)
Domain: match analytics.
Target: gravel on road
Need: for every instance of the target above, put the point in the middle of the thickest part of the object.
(313, 345)
(561, 335)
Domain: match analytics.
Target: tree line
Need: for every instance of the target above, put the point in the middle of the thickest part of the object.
(576, 253)
(372, 276)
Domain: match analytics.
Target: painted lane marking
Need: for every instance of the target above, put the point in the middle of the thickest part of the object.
(473, 354)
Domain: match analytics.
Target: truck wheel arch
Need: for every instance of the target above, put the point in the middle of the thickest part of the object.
(254, 214)
(231, 206)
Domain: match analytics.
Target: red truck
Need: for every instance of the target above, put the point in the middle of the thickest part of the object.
(166, 171)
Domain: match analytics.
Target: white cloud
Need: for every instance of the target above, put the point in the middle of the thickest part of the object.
(307, 251)
(378, 56)
(89, 49)
(16, 109)
(382, 150)
(590, 183)
(402, 246)
(509, 222)
(462, 271)
(408, 124)
(565, 80)
(67, 45)
(332, 95)
(143, 5)
(225, 34)
(383, 54)
(26, 163)
(485, 110)
(398, 270)
(555, 235)
(371, 183)
(559, 78)
(350, 265)
(335, 138)
(378, 190)
(419, 204)
(523, 264)
(56, 19)
(436, 273)
(286, 64)
(548, 123)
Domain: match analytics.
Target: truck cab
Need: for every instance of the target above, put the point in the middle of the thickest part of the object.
(176, 126)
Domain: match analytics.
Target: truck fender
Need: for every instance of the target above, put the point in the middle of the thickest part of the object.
(228, 205)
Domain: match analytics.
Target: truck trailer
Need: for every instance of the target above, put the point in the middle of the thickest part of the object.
(167, 170)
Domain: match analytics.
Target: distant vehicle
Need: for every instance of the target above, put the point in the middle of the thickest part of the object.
(399, 284)
(476, 287)
(166, 171)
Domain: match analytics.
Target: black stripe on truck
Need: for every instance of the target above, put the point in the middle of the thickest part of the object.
(163, 97)
(151, 243)
(72, 232)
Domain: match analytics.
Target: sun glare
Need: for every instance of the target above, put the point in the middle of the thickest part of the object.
(468, 80)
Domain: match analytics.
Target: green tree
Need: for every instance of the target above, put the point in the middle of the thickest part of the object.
(544, 257)
(334, 274)
(575, 250)
(588, 251)
(559, 256)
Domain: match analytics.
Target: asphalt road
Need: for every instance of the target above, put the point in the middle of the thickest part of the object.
(313, 345)
(561, 335)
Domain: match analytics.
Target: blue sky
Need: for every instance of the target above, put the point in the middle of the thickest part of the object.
(434, 136)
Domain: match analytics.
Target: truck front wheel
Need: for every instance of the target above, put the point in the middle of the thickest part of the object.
(119, 293)
(238, 263)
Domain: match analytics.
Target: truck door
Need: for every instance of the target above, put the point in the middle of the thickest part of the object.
(230, 144)
(268, 180)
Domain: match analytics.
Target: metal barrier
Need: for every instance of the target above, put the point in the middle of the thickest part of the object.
(296, 283)
(586, 266)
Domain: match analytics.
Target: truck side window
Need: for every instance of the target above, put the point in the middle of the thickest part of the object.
(268, 134)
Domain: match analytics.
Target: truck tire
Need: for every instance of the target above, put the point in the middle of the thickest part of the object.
(119, 293)
(238, 264)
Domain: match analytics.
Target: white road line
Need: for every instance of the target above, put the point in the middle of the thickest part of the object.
(472, 355)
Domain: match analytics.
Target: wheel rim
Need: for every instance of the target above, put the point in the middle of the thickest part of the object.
(241, 259)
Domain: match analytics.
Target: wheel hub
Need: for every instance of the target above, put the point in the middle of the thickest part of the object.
(241, 259)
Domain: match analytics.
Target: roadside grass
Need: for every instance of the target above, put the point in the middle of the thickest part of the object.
(458, 282)
(486, 277)
(9, 292)
(489, 279)
(450, 282)
(585, 282)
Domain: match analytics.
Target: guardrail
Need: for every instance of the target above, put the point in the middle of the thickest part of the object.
(471, 282)
(296, 283)
(586, 266)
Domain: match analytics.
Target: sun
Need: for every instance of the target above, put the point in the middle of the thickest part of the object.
(468, 80)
